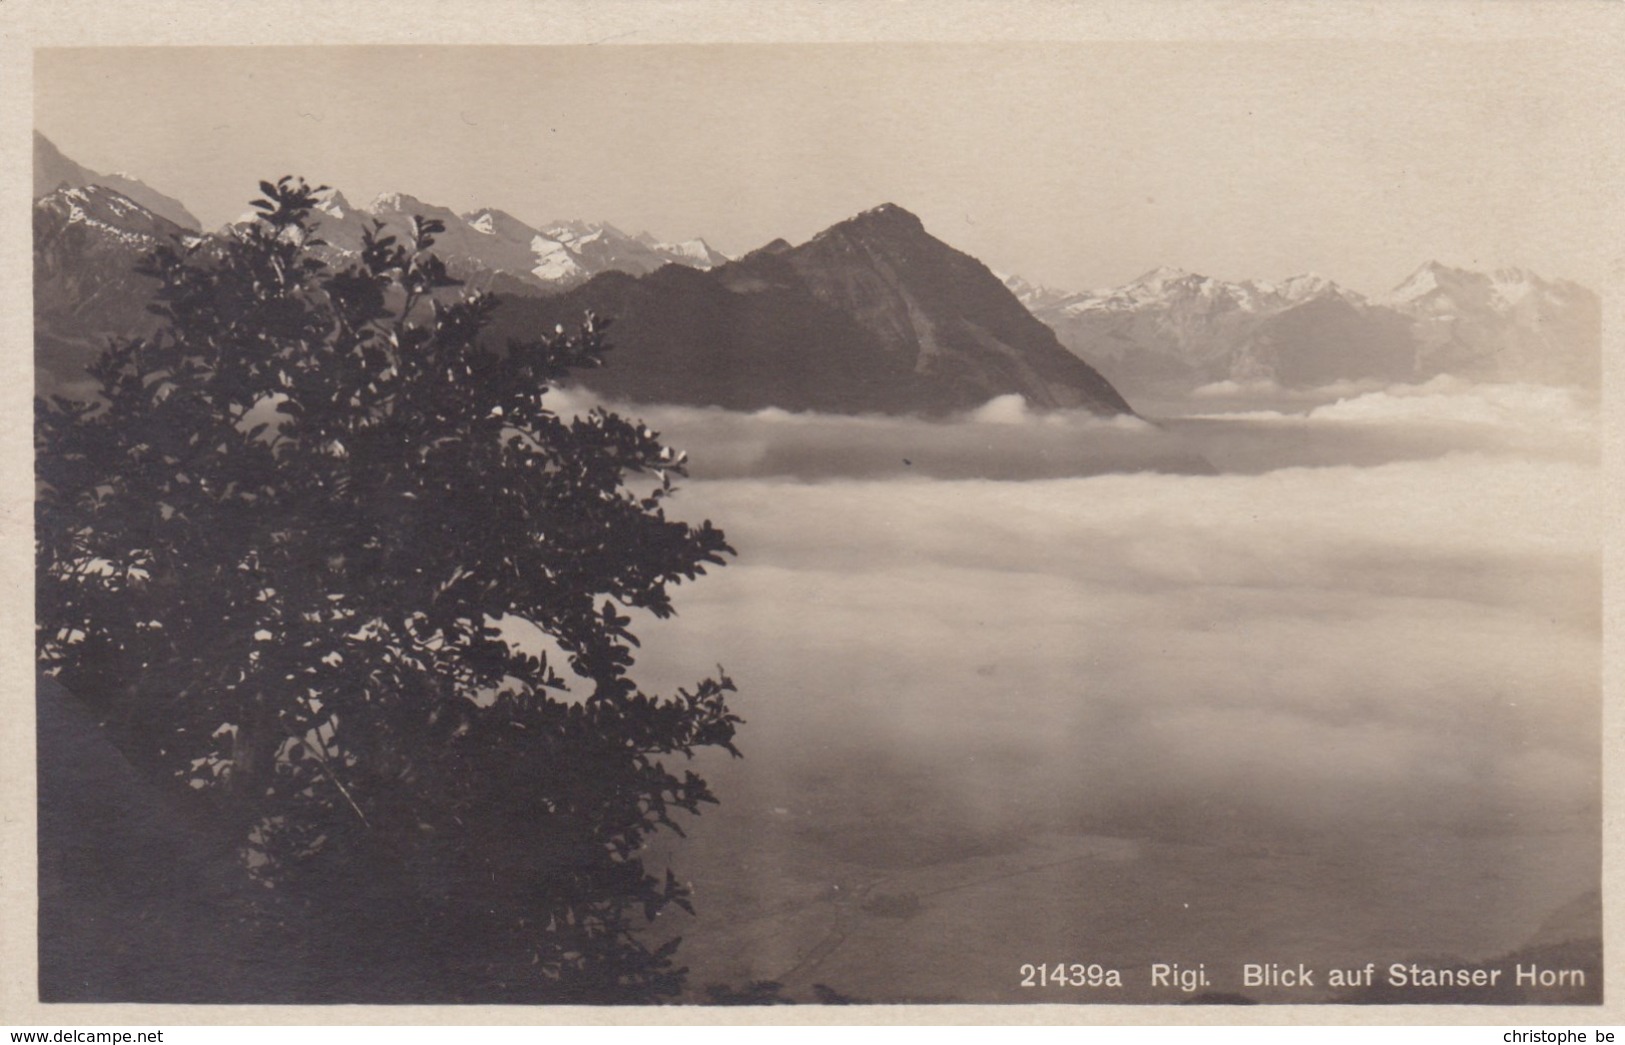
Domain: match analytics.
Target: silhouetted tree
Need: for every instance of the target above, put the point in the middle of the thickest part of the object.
(292, 558)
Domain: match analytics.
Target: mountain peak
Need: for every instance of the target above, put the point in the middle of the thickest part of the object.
(777, 246)
(52, 170)
(391, 202)
(1168, 333)
(1030, 294)
(1163, 275)
(1431, 277)
(873, 314)
(1307, 285)
(579, 230)
(492, 221)
(887, 215)
(335, 205)
(110, 212)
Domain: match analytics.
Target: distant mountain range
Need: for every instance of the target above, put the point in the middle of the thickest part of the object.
(1170, 332)
(873, 314)
(1508, 324)
(52, 170)
(491, 249)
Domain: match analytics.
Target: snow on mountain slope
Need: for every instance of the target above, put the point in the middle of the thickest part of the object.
(52, 170)
(1506, 324)
(88, 241)
(113, 214)
(490, 248)
(1171, 331)
(601, 247)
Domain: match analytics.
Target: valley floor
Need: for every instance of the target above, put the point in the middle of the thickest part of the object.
(960, 930)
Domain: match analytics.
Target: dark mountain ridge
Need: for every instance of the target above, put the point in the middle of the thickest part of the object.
(871, 315)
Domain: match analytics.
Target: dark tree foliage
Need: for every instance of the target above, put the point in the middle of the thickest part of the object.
(286, 558)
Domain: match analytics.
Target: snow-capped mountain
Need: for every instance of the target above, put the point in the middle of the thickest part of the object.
(1509, 322)
(1166, 333)
(1032, 295)
(52, 171)
(873, 314)
(504, 238)
(701, 253)
(338, 221)
(97, 209)
(90, 235)
(1171, 331)
(87, 243)
(600, 247)
(1166, 286)
(490, 249)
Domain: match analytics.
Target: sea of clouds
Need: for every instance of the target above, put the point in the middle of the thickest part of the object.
(1346, 640)
(1380, 607)
(1226, 427)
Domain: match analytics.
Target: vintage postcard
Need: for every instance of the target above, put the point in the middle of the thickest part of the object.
(1084, 511)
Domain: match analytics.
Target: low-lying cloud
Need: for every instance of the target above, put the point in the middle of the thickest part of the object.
(1358, 651)
(1411, 639)
(1004, 439)
(1447, 400)
(1256, 430)
(1415, 641)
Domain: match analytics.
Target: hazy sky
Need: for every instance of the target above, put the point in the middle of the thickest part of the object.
(1073, 164)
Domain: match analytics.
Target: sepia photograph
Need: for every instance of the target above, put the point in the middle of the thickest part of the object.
(1022, 522)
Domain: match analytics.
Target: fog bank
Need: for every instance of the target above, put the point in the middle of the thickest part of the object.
(1366, 654)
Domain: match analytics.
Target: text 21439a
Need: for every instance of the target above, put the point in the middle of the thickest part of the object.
(1070, 974)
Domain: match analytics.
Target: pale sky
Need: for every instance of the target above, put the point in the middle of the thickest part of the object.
(1078, 165)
